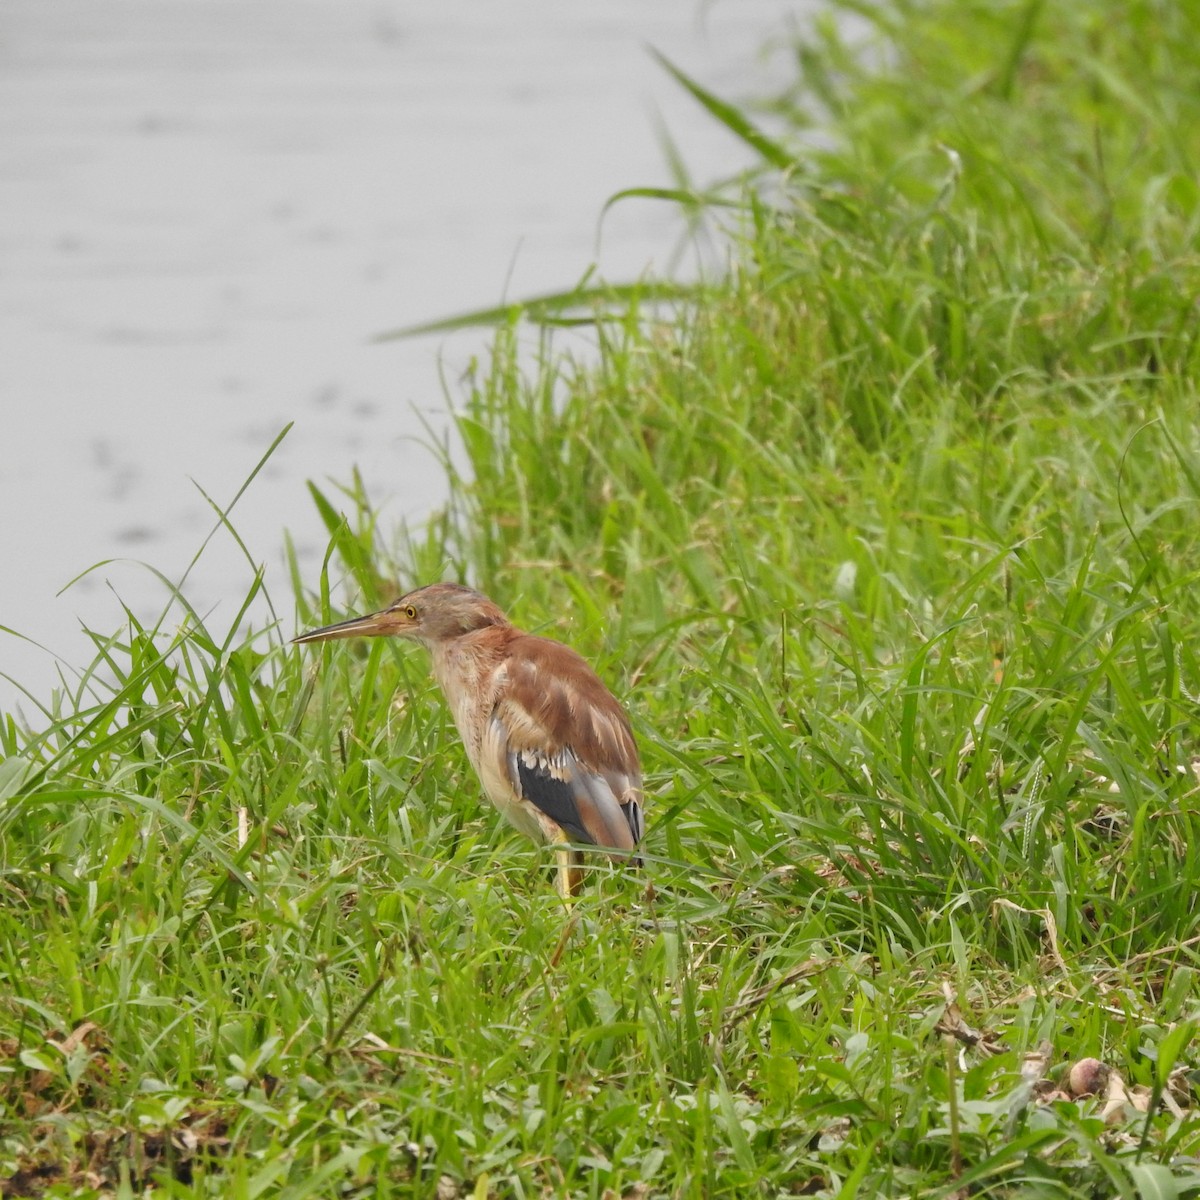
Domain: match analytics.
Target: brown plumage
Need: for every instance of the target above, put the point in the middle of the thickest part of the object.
(550, 744)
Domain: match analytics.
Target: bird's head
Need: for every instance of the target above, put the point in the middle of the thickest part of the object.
(433, 615)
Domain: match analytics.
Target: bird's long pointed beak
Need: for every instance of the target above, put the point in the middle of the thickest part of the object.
(372, 625)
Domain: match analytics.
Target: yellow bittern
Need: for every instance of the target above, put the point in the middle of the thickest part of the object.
(549, 742)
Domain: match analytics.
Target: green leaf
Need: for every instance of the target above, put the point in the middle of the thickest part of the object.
(1171, 1047)
(14, 771)
(1154, 1181)
(738, 1141)
(732, 118)
(575, 306)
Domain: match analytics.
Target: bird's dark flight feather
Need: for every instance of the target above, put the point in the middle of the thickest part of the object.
(554, 795)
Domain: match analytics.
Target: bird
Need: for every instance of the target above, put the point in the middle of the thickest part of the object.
(551, 745)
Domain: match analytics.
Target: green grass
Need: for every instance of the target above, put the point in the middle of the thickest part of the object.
(891, 541)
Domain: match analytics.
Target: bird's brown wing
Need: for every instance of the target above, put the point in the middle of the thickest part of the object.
(564, 745)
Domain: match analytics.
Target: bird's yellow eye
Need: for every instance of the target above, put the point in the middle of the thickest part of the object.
(410, 612)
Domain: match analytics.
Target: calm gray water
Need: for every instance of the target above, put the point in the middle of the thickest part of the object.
(207, 207)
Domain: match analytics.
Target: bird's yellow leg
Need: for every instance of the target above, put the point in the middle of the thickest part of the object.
(563, 879)
(570, 872)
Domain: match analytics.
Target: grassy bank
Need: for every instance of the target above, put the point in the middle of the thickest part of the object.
(890, 540)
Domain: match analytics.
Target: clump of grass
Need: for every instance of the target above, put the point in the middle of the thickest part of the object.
(890, 537)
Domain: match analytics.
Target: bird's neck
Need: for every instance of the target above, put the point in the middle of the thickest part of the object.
(468, 670)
